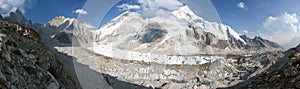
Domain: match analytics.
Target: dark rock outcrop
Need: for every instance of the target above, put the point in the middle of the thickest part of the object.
(1, 18)
(18, 18)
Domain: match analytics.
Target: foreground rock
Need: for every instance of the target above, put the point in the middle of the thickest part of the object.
(282, 74)
(26, 63)
(287, 76)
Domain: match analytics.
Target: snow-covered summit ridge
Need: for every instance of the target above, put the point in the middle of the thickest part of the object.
(124, 19)
(221, 31)
(185, 13)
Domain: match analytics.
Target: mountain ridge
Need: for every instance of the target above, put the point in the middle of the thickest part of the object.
(156, 34)
(162, 35)
(60, 31)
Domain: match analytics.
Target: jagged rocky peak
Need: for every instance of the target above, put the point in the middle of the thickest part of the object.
(258, 38)
(258, 42)
(16, 16)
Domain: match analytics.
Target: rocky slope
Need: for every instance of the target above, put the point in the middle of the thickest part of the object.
(27, 63)
(287, 76)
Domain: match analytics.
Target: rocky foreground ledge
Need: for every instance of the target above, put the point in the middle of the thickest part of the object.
(25, 63)
(285, 74)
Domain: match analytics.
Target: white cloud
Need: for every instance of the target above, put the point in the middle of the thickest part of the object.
(8, 5)
(284, 22)
(283, 28)
(151, 8)
(242, 5)
(125, 6)
(80, 12)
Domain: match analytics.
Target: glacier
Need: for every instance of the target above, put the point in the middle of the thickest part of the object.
(150, 57)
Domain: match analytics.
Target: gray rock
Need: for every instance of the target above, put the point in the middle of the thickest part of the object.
(44, 62)
(9, 71)
(30, 57)
(19, 67)
(2, 78)
(53, 84)
(12, 79)
(6, 56)
(24, 54)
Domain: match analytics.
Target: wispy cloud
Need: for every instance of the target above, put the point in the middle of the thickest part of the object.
(242, 5)
(125, 6)
(9, 5)
(155, 4)
(80, 12)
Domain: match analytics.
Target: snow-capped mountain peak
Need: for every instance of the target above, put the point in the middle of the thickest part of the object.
(127, 19)
(185, 13)
(221, 31)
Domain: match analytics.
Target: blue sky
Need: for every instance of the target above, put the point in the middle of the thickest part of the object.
(277, 20)
(42, 11)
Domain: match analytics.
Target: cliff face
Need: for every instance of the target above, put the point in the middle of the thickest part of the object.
(26, 62)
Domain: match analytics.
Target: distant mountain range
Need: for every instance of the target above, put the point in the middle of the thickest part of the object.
(292, 43)
(181, 33)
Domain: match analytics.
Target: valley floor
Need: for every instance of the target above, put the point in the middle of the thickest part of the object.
(95, 70)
